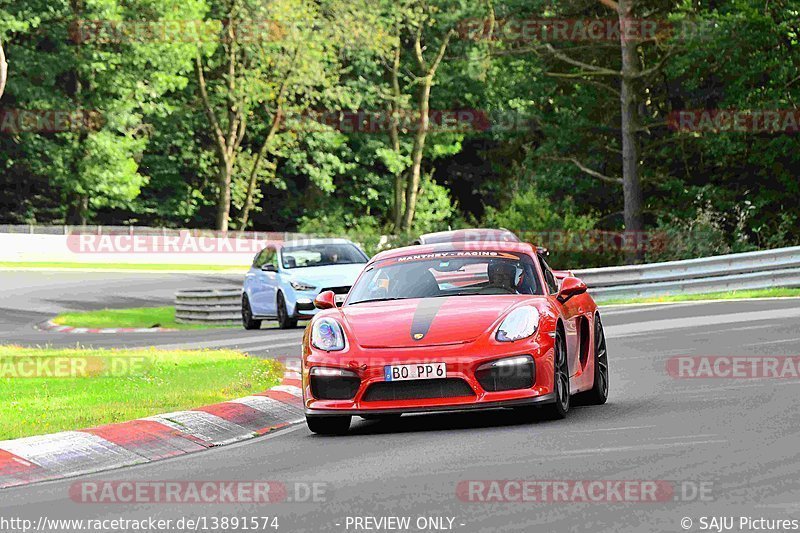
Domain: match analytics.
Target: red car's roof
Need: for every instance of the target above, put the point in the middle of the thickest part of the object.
(495, 246)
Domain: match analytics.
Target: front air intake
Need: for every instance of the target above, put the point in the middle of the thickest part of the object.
(423, 389)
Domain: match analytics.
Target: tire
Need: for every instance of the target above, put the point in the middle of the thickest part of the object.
(247, 315)
(558, 410)
(284, 321)
(328, 425)
(598, 394)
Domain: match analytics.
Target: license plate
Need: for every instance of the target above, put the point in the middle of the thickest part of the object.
(340, 298)
(415, 371)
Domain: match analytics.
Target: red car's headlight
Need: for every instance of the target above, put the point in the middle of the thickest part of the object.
(327, 334)
(520, 324)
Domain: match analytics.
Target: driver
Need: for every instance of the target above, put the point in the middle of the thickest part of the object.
(502, 274)
(329, 257)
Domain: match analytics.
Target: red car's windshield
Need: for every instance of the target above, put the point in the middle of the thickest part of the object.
(446, 274)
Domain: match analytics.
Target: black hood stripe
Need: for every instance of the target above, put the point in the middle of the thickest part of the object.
(426, 311)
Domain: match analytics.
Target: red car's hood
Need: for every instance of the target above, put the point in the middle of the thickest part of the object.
(425, 322)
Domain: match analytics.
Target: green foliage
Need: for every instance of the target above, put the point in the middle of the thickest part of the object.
(154, 159)
(364, 230)
(559, 228)
(701, 236)
(435, 208)
(532, 211)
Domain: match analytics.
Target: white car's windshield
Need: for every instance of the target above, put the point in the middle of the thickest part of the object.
(321, 255)
(446, 274)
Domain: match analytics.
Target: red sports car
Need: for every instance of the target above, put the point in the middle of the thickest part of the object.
(453, 327)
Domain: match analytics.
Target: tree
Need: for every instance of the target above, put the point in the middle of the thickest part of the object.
(106, 85)
(426, 73)
(266, 77)
(631, 181)
(628, 76)
(632, 79)
(420, 39)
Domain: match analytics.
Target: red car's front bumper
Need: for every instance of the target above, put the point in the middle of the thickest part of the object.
(462, 360)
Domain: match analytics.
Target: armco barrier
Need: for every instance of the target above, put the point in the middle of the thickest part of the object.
(751, 270)
(212, 306)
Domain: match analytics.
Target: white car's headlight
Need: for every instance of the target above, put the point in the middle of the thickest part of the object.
(520, 324)
(327, 334)
(300, 286)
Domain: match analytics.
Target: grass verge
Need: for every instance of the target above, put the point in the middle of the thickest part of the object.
(732, 295)
(118, 385)
(119, 266)
(138, 317)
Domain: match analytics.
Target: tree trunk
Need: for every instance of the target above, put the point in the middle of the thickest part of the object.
(426, 81)
(632, 187)
(224, 195)
(252, 182)
(394, 109)
(229, 140)
(412, 186)
(78, 210)
(3, 70)
(398, 201)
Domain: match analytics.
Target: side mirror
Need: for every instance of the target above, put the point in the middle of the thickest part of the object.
(325, 300)
(269, 267)
(570, 287)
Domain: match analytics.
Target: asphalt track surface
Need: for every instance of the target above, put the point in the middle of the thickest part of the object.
(739, 439)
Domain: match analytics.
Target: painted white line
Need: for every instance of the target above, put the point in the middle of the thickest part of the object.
(789, 506)
(650, 326)
(768, 383)
(688, 437)
(625, 428)
(699, 302)
(651, 357)
(270, 347)
(640, 447)
(231, 341)
(641, 308)
(763, 343)
(705, 333)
